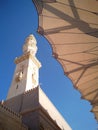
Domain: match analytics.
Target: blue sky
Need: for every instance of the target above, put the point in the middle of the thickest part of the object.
(18, 19)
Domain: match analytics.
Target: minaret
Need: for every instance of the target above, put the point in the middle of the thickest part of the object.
(26, 75)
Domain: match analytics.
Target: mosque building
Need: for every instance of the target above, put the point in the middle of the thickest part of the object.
(27, 107)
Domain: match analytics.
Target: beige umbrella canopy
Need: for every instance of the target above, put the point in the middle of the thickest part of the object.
(71, 27)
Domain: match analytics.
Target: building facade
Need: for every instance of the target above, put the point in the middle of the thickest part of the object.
(26, 99)
(10, 120)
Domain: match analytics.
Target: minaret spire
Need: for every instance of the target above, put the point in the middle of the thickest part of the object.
(26, 75)
(30, 45)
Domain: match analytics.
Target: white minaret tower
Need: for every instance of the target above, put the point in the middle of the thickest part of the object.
(26, 75)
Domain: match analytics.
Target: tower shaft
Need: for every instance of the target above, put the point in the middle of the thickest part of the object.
(26, 75)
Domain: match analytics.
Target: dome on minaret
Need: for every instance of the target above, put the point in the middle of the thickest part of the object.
(30, 45)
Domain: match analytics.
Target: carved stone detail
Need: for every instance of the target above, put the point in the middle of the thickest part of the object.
(30, 45)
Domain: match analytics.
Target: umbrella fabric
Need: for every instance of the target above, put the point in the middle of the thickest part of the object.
(71, 27)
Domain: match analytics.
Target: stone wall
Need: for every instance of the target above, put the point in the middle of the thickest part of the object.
(52, 111)
(10, 120)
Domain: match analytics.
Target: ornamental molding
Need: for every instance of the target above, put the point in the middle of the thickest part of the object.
(4, 108)
(27, 56)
